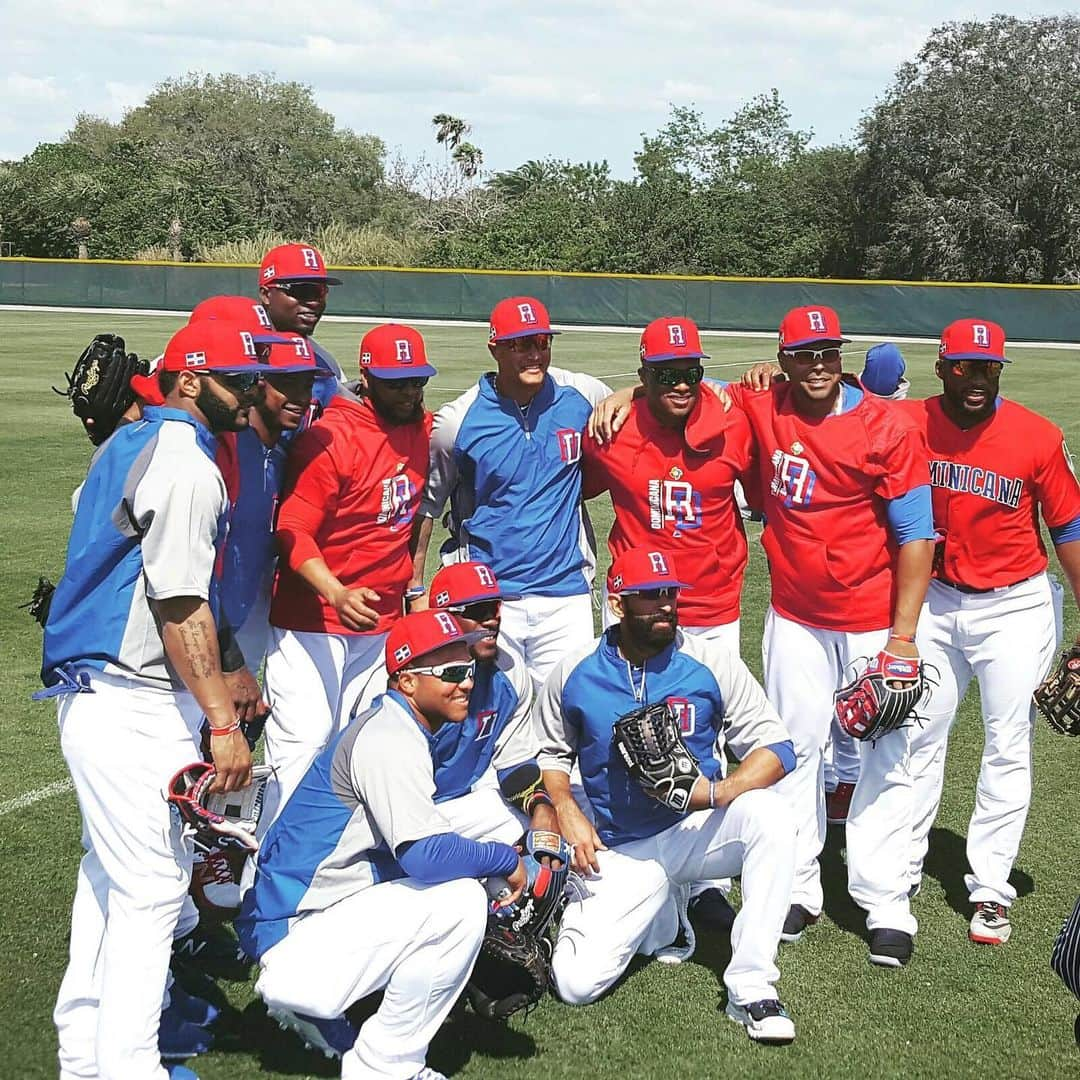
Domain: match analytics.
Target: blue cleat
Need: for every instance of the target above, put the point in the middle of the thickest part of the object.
(333, 1037)
(180, 1072)
(193, 1010)
(179, 1039)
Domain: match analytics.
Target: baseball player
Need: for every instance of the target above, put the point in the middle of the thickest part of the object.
(362, 884)
(848, 535)
(507, 454)
(640, 854)
(294, 287)
(131, 653)
(487, 780)
(989, 613)
(353, 485)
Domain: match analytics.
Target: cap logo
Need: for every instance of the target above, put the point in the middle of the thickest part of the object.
(365, 359)
(301, 347)
(817, 321)
(404, 351)
(269, 272)
(980, 334)
(249, 344)
(526, 313)
(487, 578)
(675, 335)
(260, 314)
(402, 654)
(446, 624)
(616, 582)
(442, 598)
(310, 257)
(658, 563)
(195, 359)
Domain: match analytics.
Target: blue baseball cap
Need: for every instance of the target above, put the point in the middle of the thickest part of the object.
(883, 370)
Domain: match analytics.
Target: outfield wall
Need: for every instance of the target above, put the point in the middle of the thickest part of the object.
(1028, 312)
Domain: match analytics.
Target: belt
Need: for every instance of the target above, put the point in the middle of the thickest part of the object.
(972, 591)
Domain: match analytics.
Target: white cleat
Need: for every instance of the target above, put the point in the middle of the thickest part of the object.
(765, 1021)
(990, 924)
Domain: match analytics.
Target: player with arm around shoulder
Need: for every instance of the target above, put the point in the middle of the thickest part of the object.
(363, 885)
(640, 857)
(989, 613)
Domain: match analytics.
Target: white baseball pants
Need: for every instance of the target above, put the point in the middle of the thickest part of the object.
(315, 683)
(1006, 640)
(543, 629)
(418, 942)
(803, 667)
(841, 758)
(123, 743)
(632, 905)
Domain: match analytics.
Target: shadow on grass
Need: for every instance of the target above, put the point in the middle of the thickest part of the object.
(947, 863)
(844, 912)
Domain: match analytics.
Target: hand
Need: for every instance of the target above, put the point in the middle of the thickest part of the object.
(352, 607)
(517, 882)
(247, 698)
(761, 375)
(232, 760)
(579, 832)
(610, 415)
(906, 650)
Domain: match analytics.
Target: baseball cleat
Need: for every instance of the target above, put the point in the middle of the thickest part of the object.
(188, 1007)
(214, 951)
(838, 803)
(890, 948)
(990, 924)
(712, 909)
(765, 1021)
(332, 1037)
(915, 889)
(428, 1074)
(798, 919)
(179, 1039)
(180, 1072)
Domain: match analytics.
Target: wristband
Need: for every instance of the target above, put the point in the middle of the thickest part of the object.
(218, 732)
(538, 798)
(909, 638)
(712, 794)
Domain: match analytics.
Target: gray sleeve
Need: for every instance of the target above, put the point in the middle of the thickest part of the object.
(442, 468)
(558, 737)
(591, 388)
(519, 740)
(392, 775)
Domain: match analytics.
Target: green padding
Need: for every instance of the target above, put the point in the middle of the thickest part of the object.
(1036, 314)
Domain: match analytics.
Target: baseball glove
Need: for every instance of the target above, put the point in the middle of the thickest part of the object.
(100, 386)
(39, 604)
(512, 971)
(1057, 697)
(218, 820)
(650, 744)
(881, 698)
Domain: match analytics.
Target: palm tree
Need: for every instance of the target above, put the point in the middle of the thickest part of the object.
(449, 130)
(468, 159)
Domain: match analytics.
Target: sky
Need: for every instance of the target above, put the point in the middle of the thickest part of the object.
(579, 81)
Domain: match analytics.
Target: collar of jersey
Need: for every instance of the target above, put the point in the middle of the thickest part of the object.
(207, 440)
(706, 422)
(543, 398)
(609, 647)
(400, 699)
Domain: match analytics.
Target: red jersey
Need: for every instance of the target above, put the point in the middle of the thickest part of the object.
(989, 482)
(824, 486)
(352, 488)
(675, 488)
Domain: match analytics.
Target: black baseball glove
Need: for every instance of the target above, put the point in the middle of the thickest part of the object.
(41, 601)
(512, 971)
(100, 385)
(882, 698)
(1057, 697)
(650, 743)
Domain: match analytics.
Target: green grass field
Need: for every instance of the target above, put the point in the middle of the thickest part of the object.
(957, 1010)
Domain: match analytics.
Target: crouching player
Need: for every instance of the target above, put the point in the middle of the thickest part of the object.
(641, 856)
(487, 780)
(361, 883)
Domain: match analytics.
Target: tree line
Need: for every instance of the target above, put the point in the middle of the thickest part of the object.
(967, 168)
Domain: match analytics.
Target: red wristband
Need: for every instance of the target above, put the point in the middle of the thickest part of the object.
(218, 732)
(909, 638)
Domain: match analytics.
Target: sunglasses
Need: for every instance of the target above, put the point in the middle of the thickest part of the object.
(676, 376)
(966, 368)
(652, 594)
(540, 342)
(812, 356)
(240, 382)
(481, 611)
(449, 673)
(415, 382)
(303, 290)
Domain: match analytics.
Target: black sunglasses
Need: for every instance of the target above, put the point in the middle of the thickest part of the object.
(239, 382)
(303, 290)
(480, 611)
(674, 376)
(416, 382)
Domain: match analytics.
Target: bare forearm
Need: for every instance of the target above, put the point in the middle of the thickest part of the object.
(418, 545)
(760, 769)
(557, 785)
(912, 580)
(191, 644)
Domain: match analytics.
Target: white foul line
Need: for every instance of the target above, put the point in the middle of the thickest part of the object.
(21, 802)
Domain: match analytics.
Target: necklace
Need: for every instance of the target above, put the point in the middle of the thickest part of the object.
(637, 690)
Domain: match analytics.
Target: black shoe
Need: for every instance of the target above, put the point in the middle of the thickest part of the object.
(711, 909)
(213, 951)
(798, 919)
(890, 948)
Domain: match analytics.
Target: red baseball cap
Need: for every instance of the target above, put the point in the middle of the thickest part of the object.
(809, 325)
(465, 583)
(217, 345)
(643, 568)
(418, 634)
(395, 351)
(519, 316)
(296, 355)
(250, 314)
(671, 338)
(973, 339)
(294, 262)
